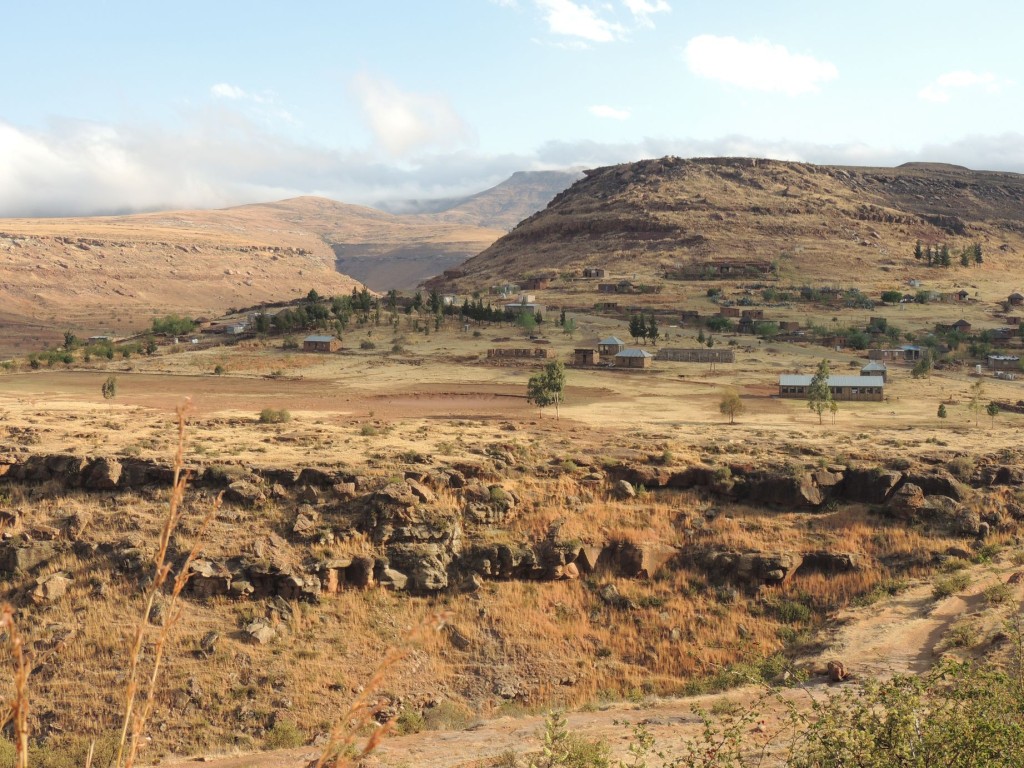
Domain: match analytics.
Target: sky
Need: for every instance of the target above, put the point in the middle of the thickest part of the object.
(111, 106)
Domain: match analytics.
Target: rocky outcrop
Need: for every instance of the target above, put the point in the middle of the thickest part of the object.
(870, 485)
(750, 568)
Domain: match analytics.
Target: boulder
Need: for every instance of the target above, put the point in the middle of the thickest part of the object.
(25, 556)
(642, 560)
(245, 493)
(392, 579)
(308, 494)
(939, 482)
(751, 568)
(780, 490)
(306, 521)
(907, 502)
(259, 632)
(50, 588)
(829, 562)
(420, 491)
(425, 564)
(870, 485)
(209, 578)
(623, 489)
(317, 477)
(103, 475)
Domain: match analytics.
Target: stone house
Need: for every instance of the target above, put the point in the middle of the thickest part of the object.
(634, 358)
(321, 344)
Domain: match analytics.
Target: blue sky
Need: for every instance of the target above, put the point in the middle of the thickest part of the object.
(112, 106)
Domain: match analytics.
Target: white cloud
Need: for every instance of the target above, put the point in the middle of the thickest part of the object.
(942, 88)
(228, 91)
(758, 65)
(603, 110)
(642, 10)
(404, 122)
(565, 17)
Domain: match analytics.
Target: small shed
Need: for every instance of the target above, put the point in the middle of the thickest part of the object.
(588, 356)
(594, 271)
(961, 295)
(634, 358)
(611, 346)
(1015, 299)
(961, 326)
(321, 344)
(1004, 362)
(729, 311)
(876, 368)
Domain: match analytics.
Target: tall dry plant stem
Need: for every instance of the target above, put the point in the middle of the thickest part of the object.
(16, 710)
(341, 742)
(134, 721)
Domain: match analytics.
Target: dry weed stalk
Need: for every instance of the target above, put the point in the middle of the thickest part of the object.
(134, 722)
(16, 710)
(341, 741)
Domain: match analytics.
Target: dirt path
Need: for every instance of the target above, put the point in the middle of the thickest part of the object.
(898, 635)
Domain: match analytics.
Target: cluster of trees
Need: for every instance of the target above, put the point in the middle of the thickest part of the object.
(644, 328)
(939, 255)
(173, 325)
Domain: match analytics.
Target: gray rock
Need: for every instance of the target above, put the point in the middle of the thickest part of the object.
(623, 489)
(259, 632)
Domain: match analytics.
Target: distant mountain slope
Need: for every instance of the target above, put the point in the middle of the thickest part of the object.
(500, 207)
(114, 273)
(815, 223)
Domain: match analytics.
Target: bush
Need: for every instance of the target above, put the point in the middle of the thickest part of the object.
(946, 586)
(272, 416)
(284, 735)
(368, 430)
(218, 370)
(367, 344)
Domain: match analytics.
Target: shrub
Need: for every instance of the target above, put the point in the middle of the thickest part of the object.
(218, 370)
(367, 344)
(284, 735)
(368, 430)
(946, 586)
(272, 416)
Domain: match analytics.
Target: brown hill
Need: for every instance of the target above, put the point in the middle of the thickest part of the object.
(500, 207)
(468, 225)
(112, 274)
(812, 223)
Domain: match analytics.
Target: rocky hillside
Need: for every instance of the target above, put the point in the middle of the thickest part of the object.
(810, 222)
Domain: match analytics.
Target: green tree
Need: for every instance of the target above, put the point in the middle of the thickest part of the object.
(547, 387)
(819, 394)
(569, 327)
(731, 405)
(918, 251)
(637, 328)
(652, 330)
(528, 322)
(892, 297)
(942, 411)
(977, 253)
(992, 410)
(109, 388)
(70, 340)
(975, 405)
(923, 367)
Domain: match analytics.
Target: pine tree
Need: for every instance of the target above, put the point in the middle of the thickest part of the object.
(652, 330)
(918, 251)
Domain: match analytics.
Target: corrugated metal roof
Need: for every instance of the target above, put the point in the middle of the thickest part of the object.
(788, 380)
(613, 340)
(319, 339)
(634, 353)
(875, 366)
